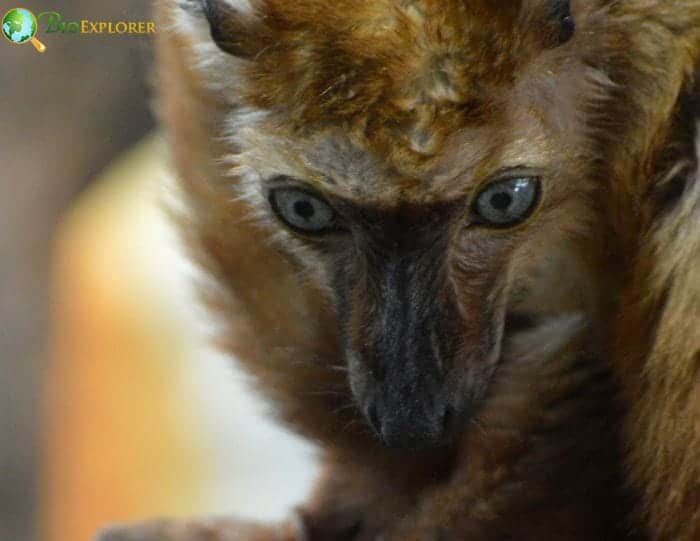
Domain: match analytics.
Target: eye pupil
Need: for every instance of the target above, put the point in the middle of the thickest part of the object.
(501, 201)
(304, 209)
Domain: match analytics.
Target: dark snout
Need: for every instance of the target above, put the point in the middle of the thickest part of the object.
(408, 397)
(408, 352)
(402, 328)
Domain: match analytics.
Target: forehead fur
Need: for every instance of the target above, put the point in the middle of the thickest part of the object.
(397, 75)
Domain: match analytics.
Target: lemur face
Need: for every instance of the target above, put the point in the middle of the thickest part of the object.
(426, 164)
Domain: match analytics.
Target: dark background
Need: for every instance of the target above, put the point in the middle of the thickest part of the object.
(64, 116)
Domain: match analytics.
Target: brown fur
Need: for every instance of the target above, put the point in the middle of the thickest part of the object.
(656, 214)
(658, 332)
(437, 94)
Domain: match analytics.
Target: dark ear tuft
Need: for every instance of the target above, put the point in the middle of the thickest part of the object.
(562, 22)
(235, 32)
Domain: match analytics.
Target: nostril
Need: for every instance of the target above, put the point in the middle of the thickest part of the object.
(373, 418)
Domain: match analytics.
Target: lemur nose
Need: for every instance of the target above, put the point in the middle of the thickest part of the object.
(412, 423)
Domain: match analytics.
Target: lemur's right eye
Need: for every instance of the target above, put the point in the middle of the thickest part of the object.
(302, 210)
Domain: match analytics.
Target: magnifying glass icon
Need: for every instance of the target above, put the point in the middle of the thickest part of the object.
(20, 26)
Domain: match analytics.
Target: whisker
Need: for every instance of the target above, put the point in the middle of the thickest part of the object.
(326, 393)
(351, 423)
(338, 386)
(303, 362)
(337, 368)
(345, 407)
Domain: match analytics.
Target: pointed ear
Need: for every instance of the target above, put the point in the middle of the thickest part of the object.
(235, 31)
(561, 22)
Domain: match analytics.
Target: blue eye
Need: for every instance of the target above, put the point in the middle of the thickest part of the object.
(507, 202)
(302, 210)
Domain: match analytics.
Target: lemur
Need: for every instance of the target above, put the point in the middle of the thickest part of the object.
(421, 216)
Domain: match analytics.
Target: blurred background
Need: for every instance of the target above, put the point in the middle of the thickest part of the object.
(113, 406)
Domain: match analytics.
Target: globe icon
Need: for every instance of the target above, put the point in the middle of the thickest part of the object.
(19, 25)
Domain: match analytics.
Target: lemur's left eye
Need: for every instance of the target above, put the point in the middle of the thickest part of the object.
(302, 211)
(507, 202)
